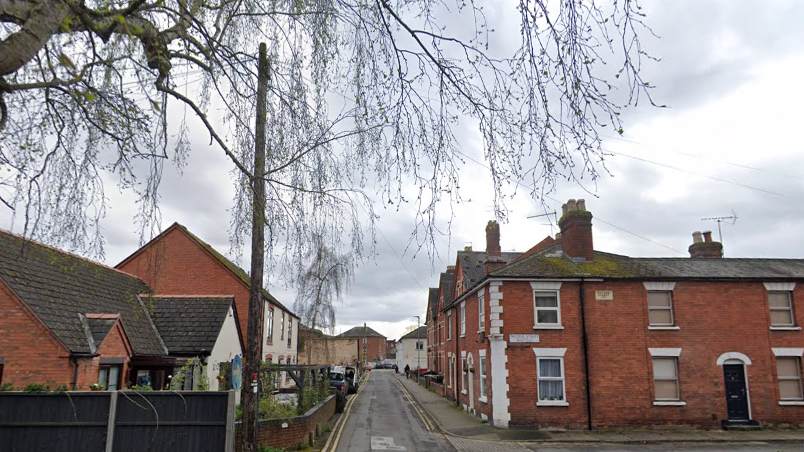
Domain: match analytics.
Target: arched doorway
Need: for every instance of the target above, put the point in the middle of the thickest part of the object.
(735, 377)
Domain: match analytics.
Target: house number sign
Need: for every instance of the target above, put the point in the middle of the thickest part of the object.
(604, 295)
(523, 338)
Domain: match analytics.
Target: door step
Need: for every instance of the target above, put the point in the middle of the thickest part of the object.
(741, 425)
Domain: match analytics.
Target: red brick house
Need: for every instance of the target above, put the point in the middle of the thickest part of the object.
(67, 321)
(576, 338)
(177, 262)
(370, 345)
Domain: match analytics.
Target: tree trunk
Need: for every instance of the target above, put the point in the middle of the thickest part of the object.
(253, 354)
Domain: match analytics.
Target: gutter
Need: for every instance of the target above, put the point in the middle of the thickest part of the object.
(586, 359)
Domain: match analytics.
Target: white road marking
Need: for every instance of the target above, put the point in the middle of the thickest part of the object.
(384, 443)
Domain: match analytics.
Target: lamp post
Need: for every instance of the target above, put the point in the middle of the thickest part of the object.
(418, 339)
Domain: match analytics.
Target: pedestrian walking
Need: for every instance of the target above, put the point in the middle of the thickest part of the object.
(407, 371)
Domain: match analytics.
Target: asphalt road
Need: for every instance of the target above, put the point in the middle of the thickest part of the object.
(381, 418)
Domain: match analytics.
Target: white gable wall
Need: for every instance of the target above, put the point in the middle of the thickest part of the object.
(226, 347)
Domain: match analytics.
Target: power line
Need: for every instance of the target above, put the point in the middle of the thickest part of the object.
(697, 156)
(560, 202)
(719, 179)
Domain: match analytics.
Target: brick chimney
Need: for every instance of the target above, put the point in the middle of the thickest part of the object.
(576, 230)
(492, 264)
(493, 239)
(704, 248)
(451, 269)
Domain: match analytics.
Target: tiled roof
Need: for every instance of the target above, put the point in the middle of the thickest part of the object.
(551, 262)
(473, 264)
(99, 328)
(237, 271)
(360, 331)
(190, 325)
(432, 302)
(59, 287)
(418, 333)
(446, 282)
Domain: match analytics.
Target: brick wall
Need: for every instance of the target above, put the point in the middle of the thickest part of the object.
(375, 347)
(295, 433)
(31, 354)
(333, 351)
(470, 395)
(713, 318)
(176, 265)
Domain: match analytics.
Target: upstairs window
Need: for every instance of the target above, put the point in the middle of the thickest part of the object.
(290, 331)
(449, 326)
(546, 305)
(660, 308)
(481, 312)
(781, 309)
(269, 325)
(282, 328)
(463, 319)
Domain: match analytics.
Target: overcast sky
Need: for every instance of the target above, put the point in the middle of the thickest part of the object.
(729, 142)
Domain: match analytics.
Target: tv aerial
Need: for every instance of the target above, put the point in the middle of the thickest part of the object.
(733, 217)
(555, 216)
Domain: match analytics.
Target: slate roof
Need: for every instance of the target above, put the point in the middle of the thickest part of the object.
(99, 328)
(358, 331)
(190, 325)
(59, 287)
(551, 262)
(432, 302)
(446, 282)
(473, 264)
(418, 333)
(231, 266)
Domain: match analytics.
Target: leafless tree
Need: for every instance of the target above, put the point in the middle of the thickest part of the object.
(365, 97)
(325, 281)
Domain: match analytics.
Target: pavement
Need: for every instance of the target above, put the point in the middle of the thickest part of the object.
(453, 421)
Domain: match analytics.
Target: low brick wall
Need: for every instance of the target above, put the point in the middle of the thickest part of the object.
(296, 432)
(438, 388)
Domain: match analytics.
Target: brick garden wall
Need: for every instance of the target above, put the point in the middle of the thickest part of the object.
(298, 432)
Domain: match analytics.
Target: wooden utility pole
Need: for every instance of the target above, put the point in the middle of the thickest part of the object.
(253, 354)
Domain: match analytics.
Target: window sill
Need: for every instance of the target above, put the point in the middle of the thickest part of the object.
(463, 336)
(551, 403)
(664, 328)
(548, 327)
(464, 392)
(669, 403)
(791, 403)
(483, 399)
(785, 328)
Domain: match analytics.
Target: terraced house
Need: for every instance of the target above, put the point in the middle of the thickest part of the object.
(566, 336)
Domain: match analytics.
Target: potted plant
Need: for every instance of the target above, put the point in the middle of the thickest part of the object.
(97, 387)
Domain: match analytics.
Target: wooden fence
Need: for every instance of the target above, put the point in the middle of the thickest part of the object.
(119, 421)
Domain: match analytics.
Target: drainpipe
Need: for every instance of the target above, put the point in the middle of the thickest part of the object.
(586, 361)
(75, 373)
(455, 337)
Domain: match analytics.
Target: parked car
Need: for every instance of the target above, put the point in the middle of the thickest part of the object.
(352, 377)
(337, 381)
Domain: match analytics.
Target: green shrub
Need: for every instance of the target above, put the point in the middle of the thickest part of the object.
(37, 387)
(7, 386)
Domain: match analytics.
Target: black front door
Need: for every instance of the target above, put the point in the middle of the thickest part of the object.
(736, 393)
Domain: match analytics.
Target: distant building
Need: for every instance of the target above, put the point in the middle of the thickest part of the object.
(371, 344)
(411, 349)
(315, 347)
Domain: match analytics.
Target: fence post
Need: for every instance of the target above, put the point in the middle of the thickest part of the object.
(230, 422)
(111, 421)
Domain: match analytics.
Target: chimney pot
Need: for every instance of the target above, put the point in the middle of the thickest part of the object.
(467, 248)
(558, 237)
(707, 236)
(696, 237)
(450, 269)
(581, 204)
